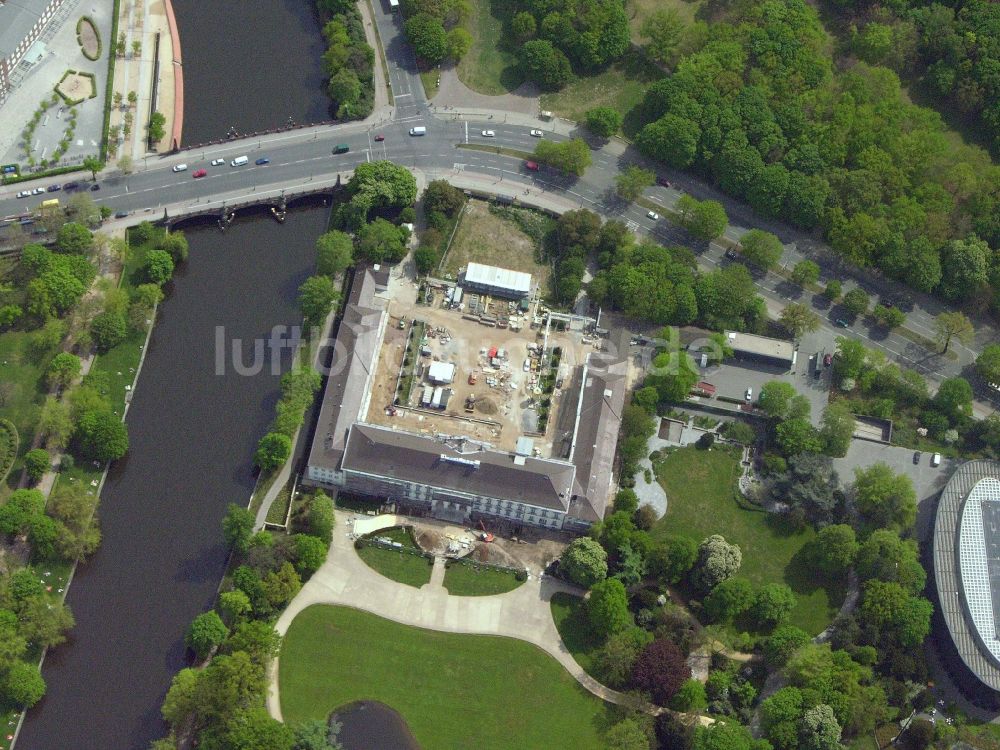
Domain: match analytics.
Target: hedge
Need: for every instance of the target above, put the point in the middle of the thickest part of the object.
(8, 447)
(97, 33)
(109, 88)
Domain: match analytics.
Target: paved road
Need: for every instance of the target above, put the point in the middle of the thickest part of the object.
(303, 158)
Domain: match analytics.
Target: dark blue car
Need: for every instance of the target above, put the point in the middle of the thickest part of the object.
(262, 160)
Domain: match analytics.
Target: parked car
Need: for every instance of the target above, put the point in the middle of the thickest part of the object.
(54, 188)
(531, 166)
(199, 173)
(38, 191)
(731, 254)
(217, 162)
(827, 360)
(916, 457)
(180, 167)
(936, 459)
(842, 323)
(663, 181)
(71, 186)
(749, 395)
(24, 194)
(652, 215)
(121, 214)
(262, 161)
(95, 186)
(379, 138)
(536, 134)
(489, 134)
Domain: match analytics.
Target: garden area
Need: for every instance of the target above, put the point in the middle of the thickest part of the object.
(464, 578)
(702, 500)
(454, 691)
(404, 563)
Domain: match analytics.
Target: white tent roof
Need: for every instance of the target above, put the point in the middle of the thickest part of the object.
(503, 278)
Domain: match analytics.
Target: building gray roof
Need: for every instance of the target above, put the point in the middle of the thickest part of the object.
(966, 561)
(478, 274)
(761, 345)
(422, 459)
(17, 19)
(355, 357)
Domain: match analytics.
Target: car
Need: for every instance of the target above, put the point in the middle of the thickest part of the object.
(38, 191)
(663, 181)
(537, 134)
(842, 323)
(24, 194)
(652, 215)
(218, 162)
(95, 186)
(121, 214)
(489, 134)
(54, 188)
(531, 166)
(71, 186)
(936, 459)
(180, 167)
(916, 457)
(731, 254)
(827, 360)
(749, 395)
(379, 138)
(199, 173)
(262, 161)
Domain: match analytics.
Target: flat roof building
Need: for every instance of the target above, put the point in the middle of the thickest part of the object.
(441, 372)
(502, 282)
(967, 566)
(21, 23)
(773, 351)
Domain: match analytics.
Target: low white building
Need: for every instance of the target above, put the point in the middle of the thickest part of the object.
(441, 372)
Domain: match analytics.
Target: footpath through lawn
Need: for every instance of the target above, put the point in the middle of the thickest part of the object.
(455, 691)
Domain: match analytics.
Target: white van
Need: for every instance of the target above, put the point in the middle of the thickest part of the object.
(181, 168)
(936, 459)
(419, 130)
(239, 161)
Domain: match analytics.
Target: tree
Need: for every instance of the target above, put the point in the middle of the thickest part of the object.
(108, 330)
(74, 238)
(571, 156)
(310, 553)
(44, 623)
(888, 317)
(428, 37)
(954, 400)
(705, 220)
(55, 422)
(584, 562)
(717, 561)
(632, 181)
(523, 26)
(729, 599)
(672, 558)
(798, 319)
(249, 729)
(627, 734)
(459, 43)
(442, 197)
(663, 28)
(334, 253)
(313, 734)
(833, 290)
(837, 429)
(819, 729)
(883, 498)
(607, 608)
(603, 121)
(316, 298)
(237, 528)
(772, 604)
(234, 606)
(319, 519)
(272, 451)
(23, 685)
(761, 248)
(159, 267)
(776, 398)
(125, 161)
(63, 369)
(887, 557)
(856, 301)
(834, 550)
(690, 697)
(891, 616)
(661, 670)
(36, 462)
(672, 375)
(93, 165)
(795, 436)
(206, 633)
(382, 241)
(988, 364)
(176, 244)
(964, 268)
(156, 127)
(547, 66)
(101, 436)
(782, 643)
(613, 662)
(948, 325)
(805, 272)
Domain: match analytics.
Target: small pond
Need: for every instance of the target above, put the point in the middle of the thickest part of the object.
(370, 725)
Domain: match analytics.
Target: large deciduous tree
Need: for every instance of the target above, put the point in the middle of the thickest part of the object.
(717, 561)
(607, 608)
(661, 670)
(101, 435)
(584, 562)
(883, 498)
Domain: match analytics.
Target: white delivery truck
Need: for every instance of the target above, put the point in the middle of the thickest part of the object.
(239, 161)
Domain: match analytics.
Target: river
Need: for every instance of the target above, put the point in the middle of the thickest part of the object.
(193, 435)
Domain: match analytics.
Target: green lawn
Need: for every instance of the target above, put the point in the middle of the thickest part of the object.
(621, 86)
(571, 622)
(454, 691)
(639, 10)
(413, 570)
(700, 487)
(468, 579)
(491, 66)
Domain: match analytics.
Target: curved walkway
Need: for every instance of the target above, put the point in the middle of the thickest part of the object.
(177, 126)
(524, 613)
(454, 93)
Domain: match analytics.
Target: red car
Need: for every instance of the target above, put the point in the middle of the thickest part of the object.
(531, 165)
(380, 137)
(199, 173)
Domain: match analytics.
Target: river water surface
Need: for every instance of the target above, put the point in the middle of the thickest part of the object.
(193, 435)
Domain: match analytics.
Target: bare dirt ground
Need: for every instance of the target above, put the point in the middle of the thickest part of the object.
(483, 237)
(88, 39)
(76, 87)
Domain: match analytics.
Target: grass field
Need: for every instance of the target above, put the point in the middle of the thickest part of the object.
(465, 579)
(491, 66)
(455, 691)
(571, 622)
(484, 237)
(621, 86)
(23, 389)
(700, 487)
(413, 570)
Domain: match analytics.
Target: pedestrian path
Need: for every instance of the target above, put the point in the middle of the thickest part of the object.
(437, 576)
